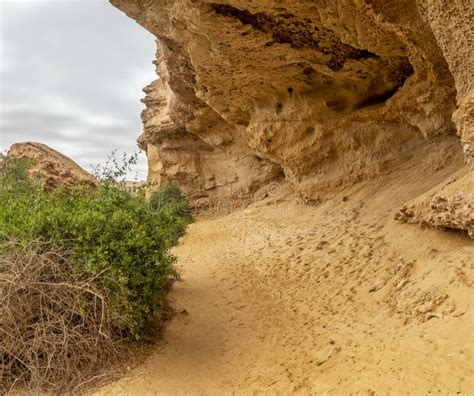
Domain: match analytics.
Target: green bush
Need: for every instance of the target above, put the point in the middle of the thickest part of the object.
(174, 209)
(108, 231)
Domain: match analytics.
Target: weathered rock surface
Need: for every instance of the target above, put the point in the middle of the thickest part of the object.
(51, 167)
(321, 93)
(450, 206)
(452, 24)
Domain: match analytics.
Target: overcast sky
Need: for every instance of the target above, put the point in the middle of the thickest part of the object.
(71, 76)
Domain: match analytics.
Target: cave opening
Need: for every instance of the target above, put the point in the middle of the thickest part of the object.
(377, 99)
(398, 77)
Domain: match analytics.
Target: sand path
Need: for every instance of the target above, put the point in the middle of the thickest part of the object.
(335, 299)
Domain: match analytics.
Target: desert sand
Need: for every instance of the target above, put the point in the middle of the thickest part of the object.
(336, 299)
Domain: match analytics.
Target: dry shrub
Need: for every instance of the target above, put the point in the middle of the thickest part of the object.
(55, 331)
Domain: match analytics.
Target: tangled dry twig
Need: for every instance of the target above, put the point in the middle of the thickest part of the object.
(55, 329)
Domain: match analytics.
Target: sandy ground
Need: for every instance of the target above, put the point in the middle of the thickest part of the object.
(335, 299)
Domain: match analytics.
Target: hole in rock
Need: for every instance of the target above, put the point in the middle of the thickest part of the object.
(398, 79)
(336, 105)
(377, 99)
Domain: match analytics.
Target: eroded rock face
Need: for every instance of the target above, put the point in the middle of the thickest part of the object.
(324, 93)
(452, 25)
(449, 206)
(51, 167)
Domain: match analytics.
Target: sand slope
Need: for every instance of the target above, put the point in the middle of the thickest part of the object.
(334, 299)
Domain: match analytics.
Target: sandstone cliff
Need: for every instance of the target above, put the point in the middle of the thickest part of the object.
(51, 167)
(322, 94)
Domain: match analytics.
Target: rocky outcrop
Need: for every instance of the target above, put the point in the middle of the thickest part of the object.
(52, 168)
(450, 206)
(451, 22)
(321, 93)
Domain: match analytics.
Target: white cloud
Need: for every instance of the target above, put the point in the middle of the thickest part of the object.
(58, 106)
(71, 76)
